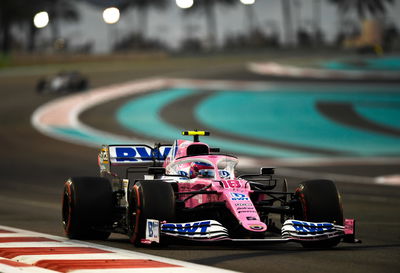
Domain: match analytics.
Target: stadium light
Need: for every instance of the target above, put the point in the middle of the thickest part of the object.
(41, 19)
(247, 2)
(184, 4)
(111, 15)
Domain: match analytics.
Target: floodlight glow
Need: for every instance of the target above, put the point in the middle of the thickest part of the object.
(111, 15)
(184, 4)
(248, 2)
(41, 19)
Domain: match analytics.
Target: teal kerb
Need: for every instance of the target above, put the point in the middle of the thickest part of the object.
(365, 64)
(142, 115)
(86, 137)
(292, 117)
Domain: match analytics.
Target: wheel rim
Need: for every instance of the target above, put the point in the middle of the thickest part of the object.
(66, 211)
(134, 214)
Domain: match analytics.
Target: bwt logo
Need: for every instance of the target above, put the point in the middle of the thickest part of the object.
(186, 228)
(239, 196)
(311, 227)
(140, 153)
(153, 226)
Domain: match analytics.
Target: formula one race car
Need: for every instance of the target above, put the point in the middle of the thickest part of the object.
(190, 191)
(63, 82)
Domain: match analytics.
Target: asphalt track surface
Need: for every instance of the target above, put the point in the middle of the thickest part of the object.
(33, 168)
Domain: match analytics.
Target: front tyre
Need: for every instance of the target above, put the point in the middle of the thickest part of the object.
(151, 199)
(87, 207)
(319, 201)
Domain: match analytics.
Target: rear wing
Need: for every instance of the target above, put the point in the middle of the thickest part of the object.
(132, 155)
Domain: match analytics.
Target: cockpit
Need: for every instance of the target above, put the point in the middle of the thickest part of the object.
(206, 174)
(205, 166)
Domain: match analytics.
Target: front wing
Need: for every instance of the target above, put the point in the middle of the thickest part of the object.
(211, 230)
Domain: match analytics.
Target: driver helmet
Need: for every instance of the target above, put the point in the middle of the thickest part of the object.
(200, 169)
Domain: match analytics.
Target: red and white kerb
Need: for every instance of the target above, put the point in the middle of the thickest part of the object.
(25, 251)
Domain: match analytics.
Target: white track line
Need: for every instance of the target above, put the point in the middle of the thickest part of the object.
(276, 69)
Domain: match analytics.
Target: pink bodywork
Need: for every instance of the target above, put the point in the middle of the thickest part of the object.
(231, 190)
(349, 226)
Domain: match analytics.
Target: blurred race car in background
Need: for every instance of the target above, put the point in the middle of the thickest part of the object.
(190, 191)
(63, 82)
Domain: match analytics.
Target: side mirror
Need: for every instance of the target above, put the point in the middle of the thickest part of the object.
(156, 171)
(267, 171)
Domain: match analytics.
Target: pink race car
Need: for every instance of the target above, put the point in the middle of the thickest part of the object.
(190, 191)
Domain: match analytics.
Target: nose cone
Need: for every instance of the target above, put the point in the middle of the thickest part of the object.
(254, 226)
(241, 206)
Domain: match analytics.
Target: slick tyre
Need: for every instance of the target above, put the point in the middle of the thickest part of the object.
(319, 201)
(87, 208)
(149, 200)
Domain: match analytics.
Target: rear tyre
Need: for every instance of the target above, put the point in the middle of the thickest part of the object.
(319, 201)
(87, 208)
(149, 200)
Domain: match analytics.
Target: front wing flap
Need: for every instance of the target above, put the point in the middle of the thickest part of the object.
(309, 231)
(207, 230)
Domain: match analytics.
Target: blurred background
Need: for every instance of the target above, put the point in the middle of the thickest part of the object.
(196, 26)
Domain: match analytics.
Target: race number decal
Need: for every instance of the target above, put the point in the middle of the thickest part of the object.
(231, 184)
